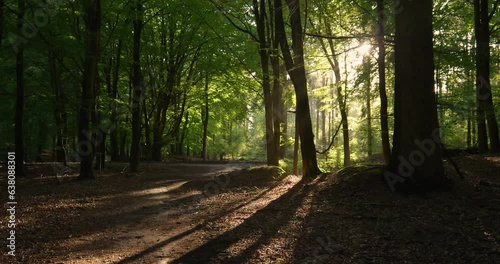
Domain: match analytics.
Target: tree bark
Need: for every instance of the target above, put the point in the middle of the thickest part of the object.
(19, 116)
(279, 115)
(416, 159)
(485, 109)
(93, 27)
(367, 75)
(259, 9)
(2, 20)
(205, 115)
(60, 115)
(296, 71)
(135, 149)
(384, 123)
(113, 137)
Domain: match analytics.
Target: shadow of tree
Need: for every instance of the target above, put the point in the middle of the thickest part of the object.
(261, 227)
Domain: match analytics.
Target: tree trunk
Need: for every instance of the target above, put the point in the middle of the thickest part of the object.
(297, 72)
(98, 136)
(60, 115)
(2, 20)
(113, 137)
(19, 116)
(416, 158)
(147, 130)
(259, 9)
(184, 132)
(296, 145)
(93, 27)
(205, 115)
(384, 123)
(135, 149)
(485, 108)
(367, 75)
(341, 100)
(277, 93)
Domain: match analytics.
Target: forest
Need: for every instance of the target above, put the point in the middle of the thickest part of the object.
(147, 131)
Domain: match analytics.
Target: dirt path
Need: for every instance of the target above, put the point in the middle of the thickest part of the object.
(206, 213)
(152, 217)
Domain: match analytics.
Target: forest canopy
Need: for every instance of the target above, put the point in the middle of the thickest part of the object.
(229, 80)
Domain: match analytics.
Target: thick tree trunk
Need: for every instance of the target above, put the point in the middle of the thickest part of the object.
(384, 122)
(135, 149)
(19, 116)
(2, 20)
(485, 110)
(296, 71)
(93, 27)
(416, 158)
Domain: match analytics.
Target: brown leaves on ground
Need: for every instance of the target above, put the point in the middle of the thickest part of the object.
(168, 214)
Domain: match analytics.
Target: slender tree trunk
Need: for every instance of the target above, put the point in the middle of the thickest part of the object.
(60, 115)
(485, 108)
(341, 100)
(205, 115)
(113, 137)
(259, 9)
(98, 136)
(123, 146)
(296, 145)
(367, 74)
(416, 158)
(93, 26)
(284, 112)
(384, 123)
(277, 92)
(135, 149)
(297, 72)
(147, 129)
(184, 132)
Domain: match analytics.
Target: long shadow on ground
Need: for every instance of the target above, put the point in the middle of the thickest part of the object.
(260, 228)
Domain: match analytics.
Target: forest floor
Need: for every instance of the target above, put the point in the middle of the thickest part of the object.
(229, 213)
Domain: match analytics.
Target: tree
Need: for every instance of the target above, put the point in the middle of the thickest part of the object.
(384, 124)
(416, 143)
(205, 117)
(485, 109)
(19, 118)
(2, 19)
(60, 114)
(137, 89)
(296, 71)
(332, 58)
(85, 138)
